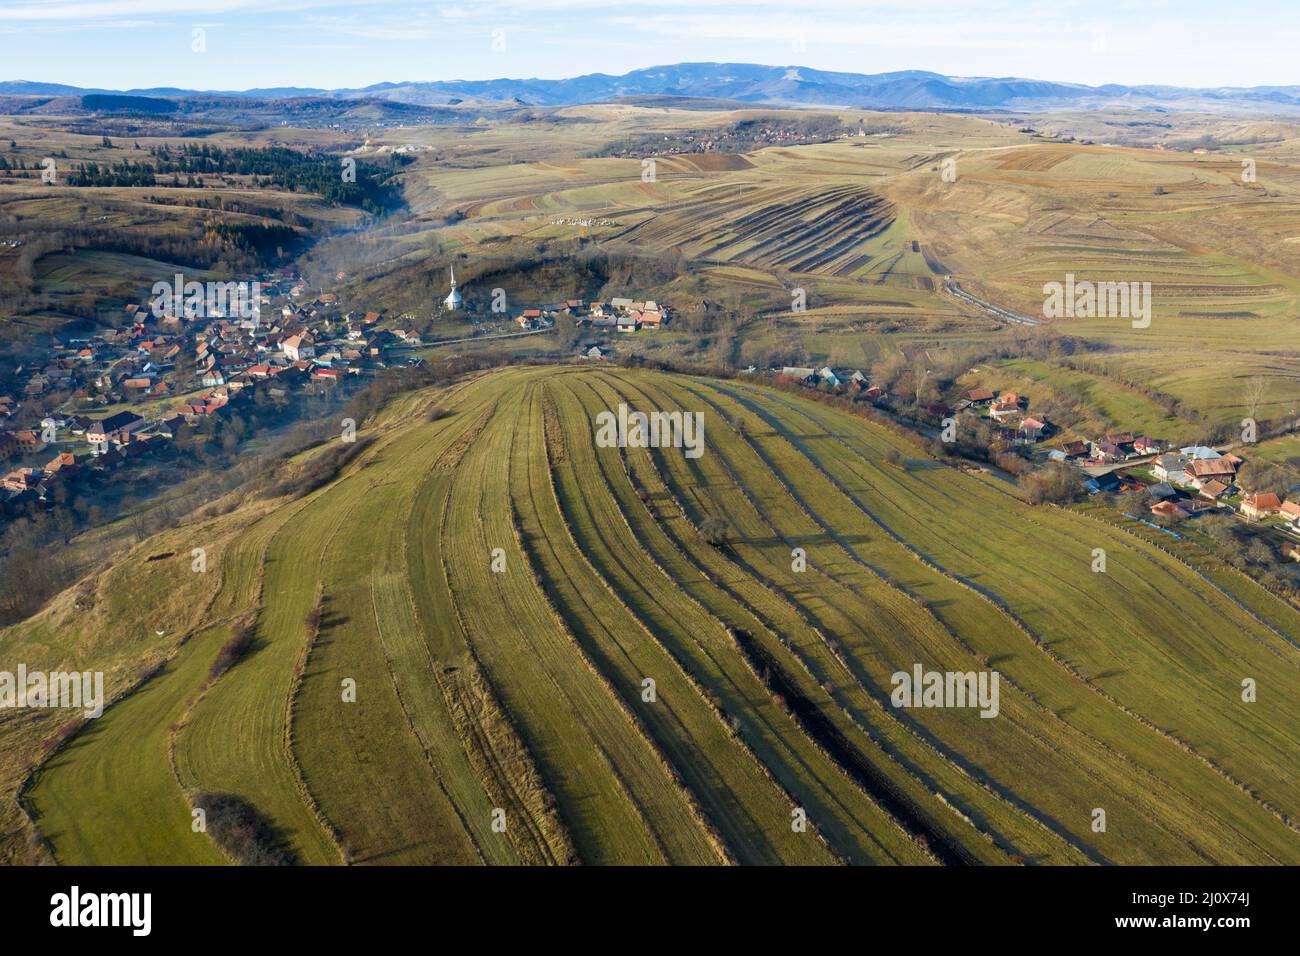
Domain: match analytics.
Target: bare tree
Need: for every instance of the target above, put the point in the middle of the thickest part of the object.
(1254, 394)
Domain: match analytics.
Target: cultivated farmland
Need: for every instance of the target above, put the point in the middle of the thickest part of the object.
(490, 640)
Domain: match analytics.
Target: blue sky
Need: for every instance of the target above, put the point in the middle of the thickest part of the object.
(121, 44)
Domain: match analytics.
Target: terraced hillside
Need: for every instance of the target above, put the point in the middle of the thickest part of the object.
(564, 652)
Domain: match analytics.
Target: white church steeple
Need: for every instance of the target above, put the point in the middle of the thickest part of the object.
(453, 300)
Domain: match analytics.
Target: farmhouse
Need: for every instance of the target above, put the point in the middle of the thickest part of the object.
(27, 441)
(1260, 506)
(1107, 451)
(1202, 470)
(1162, 491)
(1100, 483)
(1004, 410)
(1213, 489)
(1168, 509)
(1170, 466)
(114, 430)
(1031, 429)
(22, 479)
(299, 347)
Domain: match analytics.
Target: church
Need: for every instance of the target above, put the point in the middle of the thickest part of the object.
(453, 300)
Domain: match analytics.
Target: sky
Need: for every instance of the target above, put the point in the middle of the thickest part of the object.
(246, 44)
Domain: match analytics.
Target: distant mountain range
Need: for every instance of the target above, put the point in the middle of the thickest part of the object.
(747, 83)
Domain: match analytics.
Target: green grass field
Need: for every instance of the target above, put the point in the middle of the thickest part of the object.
(499, 589)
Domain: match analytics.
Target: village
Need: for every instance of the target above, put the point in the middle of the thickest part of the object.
(1171, 484)
(119, 394)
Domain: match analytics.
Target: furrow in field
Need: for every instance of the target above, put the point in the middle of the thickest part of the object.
(820, 618)
(237, 737)
(741, 802)
(1175, 662)
(869, 629)
(592, 615)
(603, 775)
(891, 496)
(653, 580)
(361, 757)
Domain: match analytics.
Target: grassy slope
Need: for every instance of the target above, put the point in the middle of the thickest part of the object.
(522, 689)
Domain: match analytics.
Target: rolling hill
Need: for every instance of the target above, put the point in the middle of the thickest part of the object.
(770, 85)
(561, 652)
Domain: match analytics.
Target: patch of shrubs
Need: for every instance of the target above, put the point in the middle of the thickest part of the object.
(1054, 483)
(320, 470)
(241, 831)
(241, 639)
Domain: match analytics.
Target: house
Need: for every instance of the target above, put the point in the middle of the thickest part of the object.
(1162, 492)
(594, 353)
(627, 323)
(1199, 452)
(1107, 451)
(62, 464)
(28, 441)
(651, 319)
(299, 347)
(1213, 489)
(22, 478)
(114, 430)
(1168, 509)
(1004, 410)
(1170, 466)
(1074, 449)
(1201, 470)
(1106, 482)
(1145, 445)
(1290, 510)
(1260, 506)
(980, 396)
(1031, 429)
